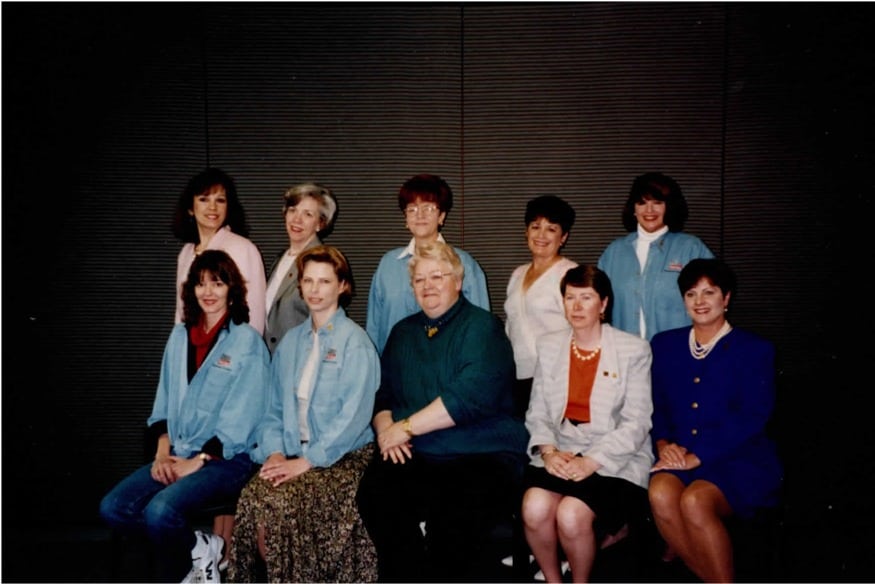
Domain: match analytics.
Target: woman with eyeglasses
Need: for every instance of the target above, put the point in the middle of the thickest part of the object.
(424, 201)
(449, 445)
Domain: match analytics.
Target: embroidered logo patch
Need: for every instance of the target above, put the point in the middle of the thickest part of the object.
(675, 266)
(224, 361)
(331, 355)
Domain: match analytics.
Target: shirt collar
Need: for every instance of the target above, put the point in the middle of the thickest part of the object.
(411, 247)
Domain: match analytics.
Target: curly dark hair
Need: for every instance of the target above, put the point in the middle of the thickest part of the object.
(184, 226)
(216, 264)
(551, 208)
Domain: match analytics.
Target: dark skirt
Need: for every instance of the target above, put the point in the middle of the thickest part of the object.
(614, 501)
(313, 531)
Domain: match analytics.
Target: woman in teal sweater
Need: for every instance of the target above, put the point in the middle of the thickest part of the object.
(449, 444)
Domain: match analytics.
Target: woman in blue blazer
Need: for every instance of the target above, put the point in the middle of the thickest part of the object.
(713, 395)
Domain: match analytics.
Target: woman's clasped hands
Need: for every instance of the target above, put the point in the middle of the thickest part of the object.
(278, 469)
(676, 457)
(394, 443)
(566, 465)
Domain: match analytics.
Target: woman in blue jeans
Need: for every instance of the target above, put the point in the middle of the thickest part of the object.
(210, 397)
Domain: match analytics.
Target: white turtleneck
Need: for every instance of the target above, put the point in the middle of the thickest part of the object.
(642, 247)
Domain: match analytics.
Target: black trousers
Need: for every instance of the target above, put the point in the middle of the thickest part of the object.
(459, 499)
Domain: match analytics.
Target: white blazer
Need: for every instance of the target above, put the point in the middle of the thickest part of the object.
(618, 436)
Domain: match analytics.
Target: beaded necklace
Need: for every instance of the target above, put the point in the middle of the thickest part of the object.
(582, 357)
(701, 351)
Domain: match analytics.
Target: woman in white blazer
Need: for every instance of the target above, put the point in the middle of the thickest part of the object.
(589, 425)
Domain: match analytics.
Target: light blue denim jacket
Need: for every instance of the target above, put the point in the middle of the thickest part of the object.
(656, 287)
(391, 296)
(341, 403)
(226, 397)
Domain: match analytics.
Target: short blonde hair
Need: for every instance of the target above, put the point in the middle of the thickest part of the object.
(437, 251)
(321, 194)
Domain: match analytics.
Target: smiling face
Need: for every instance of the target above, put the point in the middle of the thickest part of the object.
(544, 238)
(423, 219)
(303, 221)
(210, 210)
(706, 304)
(321, 290)
(583, 307)
(435, 286)
(212, 297)
(650, 214)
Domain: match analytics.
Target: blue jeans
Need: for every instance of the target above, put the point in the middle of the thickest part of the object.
(141, 505)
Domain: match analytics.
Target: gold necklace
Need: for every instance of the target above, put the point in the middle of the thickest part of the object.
(589, 357)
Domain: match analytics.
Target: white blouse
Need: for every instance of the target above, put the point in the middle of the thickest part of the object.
(534, 312)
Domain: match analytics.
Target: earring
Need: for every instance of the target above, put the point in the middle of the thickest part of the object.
(602, 316)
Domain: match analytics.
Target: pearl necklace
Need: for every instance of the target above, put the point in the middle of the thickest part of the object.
(701, 351)
(589, 357)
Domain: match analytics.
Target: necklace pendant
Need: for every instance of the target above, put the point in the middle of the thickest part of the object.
(431, 331)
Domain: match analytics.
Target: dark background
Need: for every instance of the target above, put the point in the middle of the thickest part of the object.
(763, 112)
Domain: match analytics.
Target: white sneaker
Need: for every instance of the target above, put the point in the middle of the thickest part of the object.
(508, 561)
(539, 575)
(205, 558)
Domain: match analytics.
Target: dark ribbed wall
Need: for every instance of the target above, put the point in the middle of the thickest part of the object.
(759, 111)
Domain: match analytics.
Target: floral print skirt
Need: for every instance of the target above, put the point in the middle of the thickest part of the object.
(313, 531)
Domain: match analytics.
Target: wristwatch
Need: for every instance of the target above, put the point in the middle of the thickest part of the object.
(405, 425)
(205, 458)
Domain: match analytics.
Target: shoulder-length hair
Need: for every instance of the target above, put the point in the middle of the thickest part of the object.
(657, 186)
(214, 264)
(184, 226)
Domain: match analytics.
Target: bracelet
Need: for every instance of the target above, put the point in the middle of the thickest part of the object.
(205, 458)
(546, 452)
(405, 425)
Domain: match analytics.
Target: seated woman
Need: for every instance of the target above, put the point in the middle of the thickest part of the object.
(450, 447)
(589, 420)
(298, 515)
(211, 396)
(713, 395)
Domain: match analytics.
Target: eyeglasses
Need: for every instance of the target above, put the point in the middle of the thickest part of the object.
(435, 279)
(425, 209)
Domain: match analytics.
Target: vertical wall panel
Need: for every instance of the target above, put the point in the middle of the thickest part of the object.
(577, 100)
(358, 98)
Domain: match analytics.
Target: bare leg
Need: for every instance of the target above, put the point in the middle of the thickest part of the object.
(262, 546)
(539, 521)
(665, 501)
(223, 525)
(574, 519)
(703, 507)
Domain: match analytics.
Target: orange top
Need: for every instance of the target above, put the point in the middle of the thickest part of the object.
(581, 376)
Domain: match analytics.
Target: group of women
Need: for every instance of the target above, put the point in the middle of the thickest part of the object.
(386, 453)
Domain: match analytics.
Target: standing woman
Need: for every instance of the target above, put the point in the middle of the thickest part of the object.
(298, 518)
(713, 396)
(534, 301)
(424, 201)
(589, 426)
(309, 212)
(644, 265)
(209, 216)
(210, 398)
